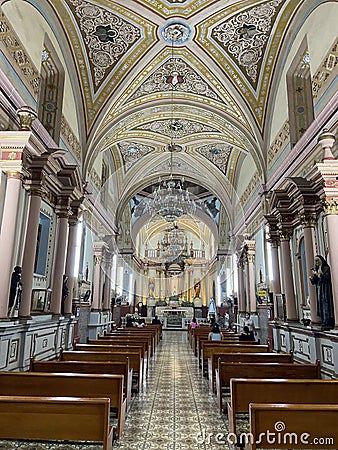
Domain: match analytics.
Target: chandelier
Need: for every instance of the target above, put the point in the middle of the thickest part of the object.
(174, 243)
(170, 200)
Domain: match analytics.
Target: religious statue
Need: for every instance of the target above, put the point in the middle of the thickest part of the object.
(15, 289)
(65, 292)
(321, 277)
(151, 287)
(197, 288)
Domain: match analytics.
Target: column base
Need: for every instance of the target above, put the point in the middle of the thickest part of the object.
(96, 310)
(24, 318)
(5, 319)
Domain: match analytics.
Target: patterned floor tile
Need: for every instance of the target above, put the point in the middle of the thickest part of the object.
(181, 412)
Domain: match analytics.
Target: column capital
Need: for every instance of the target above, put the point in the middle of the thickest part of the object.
(308, 220)
(330, 206)
(26, 116)
(285, 233)
(63, 210)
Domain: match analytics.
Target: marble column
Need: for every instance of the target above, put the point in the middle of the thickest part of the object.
(7, 237)
(241, 290)
(251, 277)
(204, 283)
(70, 263)
(29, 252)
(308, 222)
(332, 235)
(96, 303)
(59, 257)
(276, 284)
(107, 281)
(290, 299)
(99, 250)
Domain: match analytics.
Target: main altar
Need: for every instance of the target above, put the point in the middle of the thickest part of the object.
(174, 315)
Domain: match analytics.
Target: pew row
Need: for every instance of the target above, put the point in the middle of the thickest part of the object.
(294, 426)
(226, 371)
(245, 358)
(56, 419)
(116, 348)
(37, 384)
(244, 391)
(208, 348)
(90, 367)
(135, 359)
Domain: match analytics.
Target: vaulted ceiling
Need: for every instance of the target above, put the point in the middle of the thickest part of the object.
(147, 72)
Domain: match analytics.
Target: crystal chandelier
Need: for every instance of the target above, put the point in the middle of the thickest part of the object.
(174, 243)
(170, 200)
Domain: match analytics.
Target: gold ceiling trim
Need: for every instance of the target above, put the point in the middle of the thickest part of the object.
(125, 101)
(95, 101)
(257, 100)
(185, 8)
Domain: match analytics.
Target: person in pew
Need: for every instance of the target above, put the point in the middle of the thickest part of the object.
(193, 324)
(155, 321)
(215, 334)
(246, 335)
(129, 323)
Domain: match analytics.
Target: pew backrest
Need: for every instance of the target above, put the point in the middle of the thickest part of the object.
(294, 426)
(244, 391)
(53, 418)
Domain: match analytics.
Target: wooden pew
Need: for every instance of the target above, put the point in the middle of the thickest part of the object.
(226, 371)
(229, 337)
(67, 385)
(244, 391)
(116, 348)
(243, 357)
(211, 347)
(120, 341)
(107, 367)
(53, 418)
(302, 425)
(135, 333)
(135, 359)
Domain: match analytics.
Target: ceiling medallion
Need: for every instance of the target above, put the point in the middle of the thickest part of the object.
(176, 32)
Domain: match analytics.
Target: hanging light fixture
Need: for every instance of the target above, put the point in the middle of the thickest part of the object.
(170, 200)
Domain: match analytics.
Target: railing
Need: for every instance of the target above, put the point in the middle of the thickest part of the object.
(155, 254)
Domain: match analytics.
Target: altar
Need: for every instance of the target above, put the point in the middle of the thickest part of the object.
(176, 317)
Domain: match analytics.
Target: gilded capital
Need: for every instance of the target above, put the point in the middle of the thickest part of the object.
(26, 116)
(285, 234)
(308, 220)
(330, 206)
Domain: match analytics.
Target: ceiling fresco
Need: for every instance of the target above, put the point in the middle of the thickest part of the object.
(153, 71)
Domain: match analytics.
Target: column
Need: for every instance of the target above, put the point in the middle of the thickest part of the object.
(308, 222)
(60, 255)
(71, 262)
(291, 310)
(251, 276)
(276, 285)
(29, 252)
(331, 211)
(99, 248)
(7, 237)
(241, 290)
(204, 293)
(107, 281)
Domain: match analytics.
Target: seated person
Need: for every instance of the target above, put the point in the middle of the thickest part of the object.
(156, 321)
(140, 323)
(130, 322)
(215, 334)
(193, 324)
(247, 335)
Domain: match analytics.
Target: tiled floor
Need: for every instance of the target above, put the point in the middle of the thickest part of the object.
(175, 411)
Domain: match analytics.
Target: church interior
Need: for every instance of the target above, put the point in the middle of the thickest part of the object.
(168, 165)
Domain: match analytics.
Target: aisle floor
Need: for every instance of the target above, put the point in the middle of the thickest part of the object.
(175, 410)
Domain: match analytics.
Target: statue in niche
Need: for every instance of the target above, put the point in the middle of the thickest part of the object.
(197, 288)
(151, 287)
(321, 277)
(15, 290)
